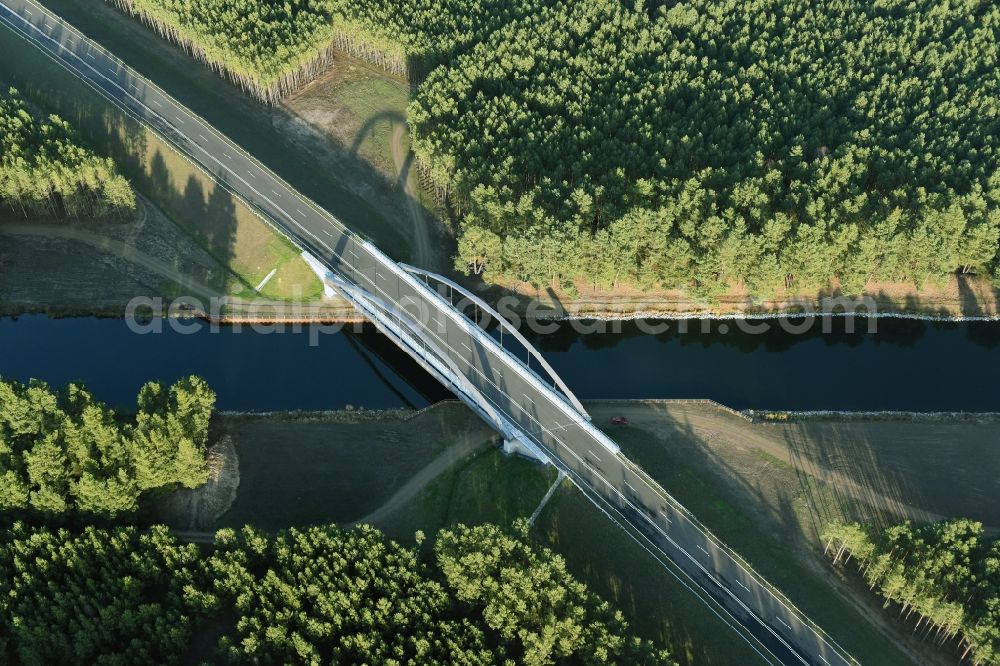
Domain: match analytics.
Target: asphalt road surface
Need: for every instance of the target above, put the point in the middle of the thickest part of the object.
(432, 328)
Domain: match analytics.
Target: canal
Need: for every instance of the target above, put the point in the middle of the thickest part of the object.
(902, 365)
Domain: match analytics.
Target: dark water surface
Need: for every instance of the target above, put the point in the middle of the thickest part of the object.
(911, 365)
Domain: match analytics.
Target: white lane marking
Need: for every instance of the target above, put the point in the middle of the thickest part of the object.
(250, 173)
(466, 346)
(378, 276)
(327, 232)
(783, 622)
(202, 137)
(824, 659)
(528, 398)
(740, 583)
(227, 155)
(299, 211)
(353, 254)
(157, 103)
(630, 486)
(28, 12)
(180, 120)
(275, 193)
(703, 550)
(591, 452)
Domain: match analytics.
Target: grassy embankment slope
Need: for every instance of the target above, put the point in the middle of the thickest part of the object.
(241, 250)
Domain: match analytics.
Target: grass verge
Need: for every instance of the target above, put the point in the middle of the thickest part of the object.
(487, 487)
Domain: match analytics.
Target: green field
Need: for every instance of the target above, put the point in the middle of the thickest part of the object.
(300, 472)
(487, 487)
(359, 108)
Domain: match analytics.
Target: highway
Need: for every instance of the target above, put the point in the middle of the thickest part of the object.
(427, 326)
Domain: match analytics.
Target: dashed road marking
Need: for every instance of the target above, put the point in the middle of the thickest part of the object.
(328, 233)
(590, 452)
(157, 103)
(740, 583)
(276, 193)
(202, 137)
(703, 550)
(783, 622)
(299, 211)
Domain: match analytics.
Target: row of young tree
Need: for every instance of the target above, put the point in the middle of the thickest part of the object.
(943, 578)
(318, 595)
(65, 454)
(45, 170)
(699, 144)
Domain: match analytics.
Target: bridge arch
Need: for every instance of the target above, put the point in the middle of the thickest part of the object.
(505, 325)
(397, 324)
